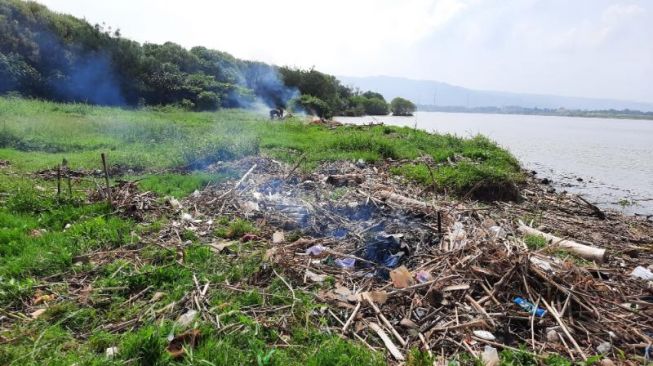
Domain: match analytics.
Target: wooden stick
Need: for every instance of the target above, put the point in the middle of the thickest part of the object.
(597, 211)
(473, 323)
(106, 179)
(351, 317)
(555, 315)
(401, 200)
(301, 159)
(387, 342)
(581, 250)
(70, 185)
(481, 310)
(245, 176)
(385, 321)
(58, 181)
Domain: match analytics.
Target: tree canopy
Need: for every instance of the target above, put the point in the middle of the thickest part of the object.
(402, 107)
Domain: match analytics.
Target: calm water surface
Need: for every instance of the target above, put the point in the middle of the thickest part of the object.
(613, 157)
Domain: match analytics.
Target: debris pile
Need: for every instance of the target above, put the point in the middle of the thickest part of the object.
(127, 200)
(409, 268)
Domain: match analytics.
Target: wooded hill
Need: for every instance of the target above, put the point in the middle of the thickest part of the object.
(47, 55)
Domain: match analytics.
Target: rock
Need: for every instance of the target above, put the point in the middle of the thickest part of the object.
(484, 334)
(545, 181)
(187, 318)
(604, 347)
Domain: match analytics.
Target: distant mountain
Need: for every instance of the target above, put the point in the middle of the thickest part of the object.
(426, 92)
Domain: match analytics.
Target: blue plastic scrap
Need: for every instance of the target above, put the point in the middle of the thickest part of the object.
(529, 307)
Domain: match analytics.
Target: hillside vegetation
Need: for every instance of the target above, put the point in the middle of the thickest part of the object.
(62, 58)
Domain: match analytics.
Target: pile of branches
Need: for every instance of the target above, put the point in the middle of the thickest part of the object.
(444, 275)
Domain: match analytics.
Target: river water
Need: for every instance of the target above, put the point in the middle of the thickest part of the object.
(612, 157)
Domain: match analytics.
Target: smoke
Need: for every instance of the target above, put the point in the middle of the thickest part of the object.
(269, 89)
(74, 73)
(93, 81)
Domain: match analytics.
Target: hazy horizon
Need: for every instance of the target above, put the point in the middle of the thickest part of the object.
(585, 48)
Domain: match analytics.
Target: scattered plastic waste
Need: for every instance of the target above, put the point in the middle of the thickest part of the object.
(347, 263)
(386, 250)
(174, 203)
(604, 347)
(552, 336)
(111, 352)
(529, 307)
(498, 232)
(490, 356)
(642, 273)
(401, 277)
(278, 237)
(423, 276)
(186, 318)
(458, 236)
(485, 335)
(315, 250)
(393, 260)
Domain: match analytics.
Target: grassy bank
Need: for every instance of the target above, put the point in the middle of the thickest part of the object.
(95, 271)
(36, 135)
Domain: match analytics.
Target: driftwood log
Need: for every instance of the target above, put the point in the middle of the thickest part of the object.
(584, 251)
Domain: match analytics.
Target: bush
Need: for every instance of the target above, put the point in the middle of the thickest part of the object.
(375, 107)
(402, 107)
(312, 105)
(207, 101)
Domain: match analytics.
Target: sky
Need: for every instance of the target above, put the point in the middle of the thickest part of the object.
(587, 48)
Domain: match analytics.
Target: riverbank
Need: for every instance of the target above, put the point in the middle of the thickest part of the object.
(605, 160)
(295, 244)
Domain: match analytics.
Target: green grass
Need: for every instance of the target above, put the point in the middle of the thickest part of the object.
(535, 242)
(43, 236)
(179, 185)
(36, 135)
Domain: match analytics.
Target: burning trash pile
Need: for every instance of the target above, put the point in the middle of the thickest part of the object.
(401, 268)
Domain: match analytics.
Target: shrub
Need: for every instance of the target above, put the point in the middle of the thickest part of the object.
(402, 107)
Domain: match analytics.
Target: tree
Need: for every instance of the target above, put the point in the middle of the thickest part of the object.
(375, 107)
(312, 105)
(402, 107)
(370, 95)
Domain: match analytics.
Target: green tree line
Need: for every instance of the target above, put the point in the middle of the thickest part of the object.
(47, 55)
